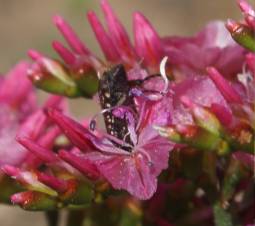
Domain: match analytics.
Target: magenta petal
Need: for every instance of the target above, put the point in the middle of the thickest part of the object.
(224, 87)
(103, 38)
(201, 90)
(64, 53)
(57, 102)
(28, 128)
(83, 165)
(34, 54)
(250, 21)
(74, 42)
(42, 153)
(148, 44)
(78, 135)
(157, 148)
(222, 113)
(16, 89)
(118, 33)
(81, 136)
(136, 173)
(124, 174)
(48, 140)
(11, 170)
(52, 182)
(246, 7)
(215, 34)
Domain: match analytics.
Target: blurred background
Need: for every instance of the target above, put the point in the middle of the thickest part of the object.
(26, 24)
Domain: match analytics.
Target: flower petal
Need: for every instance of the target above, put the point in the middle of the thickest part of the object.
(103, 38)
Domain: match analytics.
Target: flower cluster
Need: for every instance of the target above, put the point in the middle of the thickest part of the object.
(20, 115)
(178, 143)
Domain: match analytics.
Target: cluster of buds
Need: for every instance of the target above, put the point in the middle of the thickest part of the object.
(243, 32)
(78, 74)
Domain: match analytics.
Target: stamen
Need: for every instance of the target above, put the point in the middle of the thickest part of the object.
(117, 141)
(163, 74)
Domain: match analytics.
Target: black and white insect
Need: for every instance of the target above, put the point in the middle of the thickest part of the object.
(115, 90)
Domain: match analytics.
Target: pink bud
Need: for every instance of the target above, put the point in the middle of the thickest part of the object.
(34, 54)
(118, 34)
(246, 7)
(53, 182)
(11, 171)
(148, 44)
(224, 86)
(83, 165)
(43, 153)
(223, 114)
(74, 42)
(64, 53)
(103, 38)
(232, 25)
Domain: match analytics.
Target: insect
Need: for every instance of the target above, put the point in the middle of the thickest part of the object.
(115, 90)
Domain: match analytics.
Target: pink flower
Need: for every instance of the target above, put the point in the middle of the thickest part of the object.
(17, 100)
(133, 166)
(19, 114)
(213, 46)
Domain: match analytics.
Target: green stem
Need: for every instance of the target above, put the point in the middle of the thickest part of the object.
(221, 216)
(52, 217)
(75, 218)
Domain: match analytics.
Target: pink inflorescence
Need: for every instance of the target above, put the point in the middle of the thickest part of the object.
(191, 96)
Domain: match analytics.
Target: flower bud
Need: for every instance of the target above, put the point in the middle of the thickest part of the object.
(51, 76)
(34, 201)
(242, 34)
